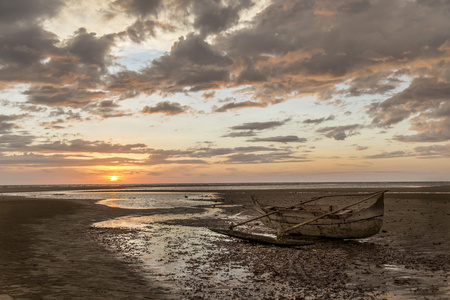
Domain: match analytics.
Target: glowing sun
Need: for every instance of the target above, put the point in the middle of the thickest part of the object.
(113, 178)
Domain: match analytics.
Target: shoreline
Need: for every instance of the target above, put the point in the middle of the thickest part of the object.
(50, 250)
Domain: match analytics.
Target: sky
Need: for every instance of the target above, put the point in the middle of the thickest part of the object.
(223, 91)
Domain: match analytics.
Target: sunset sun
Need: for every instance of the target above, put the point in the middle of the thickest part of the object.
(113, 178)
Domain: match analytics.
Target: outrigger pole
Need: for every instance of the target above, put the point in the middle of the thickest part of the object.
(253, 219)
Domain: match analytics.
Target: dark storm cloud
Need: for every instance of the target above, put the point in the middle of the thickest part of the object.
(280, 139)
(166, 107)
(339, 133)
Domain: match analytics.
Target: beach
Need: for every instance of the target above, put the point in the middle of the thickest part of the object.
(65, 249)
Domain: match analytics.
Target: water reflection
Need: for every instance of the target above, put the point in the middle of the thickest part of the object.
(158, 200)
(176, 254)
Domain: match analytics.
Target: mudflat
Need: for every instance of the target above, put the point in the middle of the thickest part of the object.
(49, 249)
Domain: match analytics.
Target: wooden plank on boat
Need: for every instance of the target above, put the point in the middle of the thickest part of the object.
(263, 239)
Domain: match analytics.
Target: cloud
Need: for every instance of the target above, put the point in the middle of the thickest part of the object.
(393, 154)
(279, 61)
(24, 45)
(208, 95)
(11, 142)
(280, 157)
(155, 173)
(106, 109)
(140, 31)
(58, 161)
(66, 96)
(340, 133)
(329, 47)
(269, 53)
(67, 73)
(280, 139)
(240, 134)
(203, 16)
(318, 121)
(247, 129)
(428, 100)
(141, 8)
(5, 122)
(27, 11)
(159, 156)
(63, 117)
(215, 16)
(361, 148)
(433, 151)
(89, 49)
(192, 64)
(80, 145)
(374, 83)
(166, 107)
(423, 94)
(27, 143)
(260, 125)
(237, 105)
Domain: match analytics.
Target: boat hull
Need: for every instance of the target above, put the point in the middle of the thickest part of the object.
(350, 225)
(337, 230)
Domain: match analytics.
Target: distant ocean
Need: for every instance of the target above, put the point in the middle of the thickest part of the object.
(238, 186)
(176, 195)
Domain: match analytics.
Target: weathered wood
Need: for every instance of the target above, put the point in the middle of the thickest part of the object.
(263, 239)
(251, 220)
(281, 232)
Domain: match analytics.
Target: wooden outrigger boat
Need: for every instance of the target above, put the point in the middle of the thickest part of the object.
(322, 221)
(325, 220)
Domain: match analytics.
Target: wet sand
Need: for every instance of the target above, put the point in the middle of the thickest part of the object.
(50, 250)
